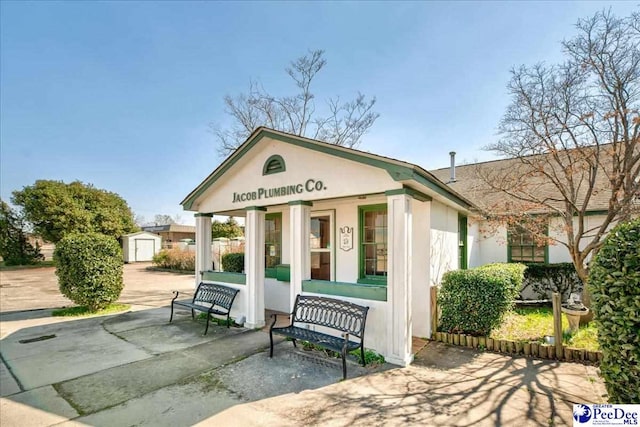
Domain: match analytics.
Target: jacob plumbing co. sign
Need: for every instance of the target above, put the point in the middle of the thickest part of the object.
(309, 186)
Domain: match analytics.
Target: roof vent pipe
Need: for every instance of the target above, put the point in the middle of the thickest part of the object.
(452, 178)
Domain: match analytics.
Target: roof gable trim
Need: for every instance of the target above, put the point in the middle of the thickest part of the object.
(399, 171)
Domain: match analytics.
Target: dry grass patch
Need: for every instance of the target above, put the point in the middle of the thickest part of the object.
(532, 324)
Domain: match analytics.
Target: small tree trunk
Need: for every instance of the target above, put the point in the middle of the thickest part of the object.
(583, 274)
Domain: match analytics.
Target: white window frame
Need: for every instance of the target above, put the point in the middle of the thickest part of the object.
(332, 239)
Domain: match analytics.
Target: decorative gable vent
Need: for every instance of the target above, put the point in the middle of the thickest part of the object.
(274, 164)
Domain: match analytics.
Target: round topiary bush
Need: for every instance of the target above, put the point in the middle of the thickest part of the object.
(89, 269)
(614, 282)
(474, 301)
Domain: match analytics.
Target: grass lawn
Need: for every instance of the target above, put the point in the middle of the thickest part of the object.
(41, 264)
(533, 323)
(81, 311)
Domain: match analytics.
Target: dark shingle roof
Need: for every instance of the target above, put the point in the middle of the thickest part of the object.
(521, 178)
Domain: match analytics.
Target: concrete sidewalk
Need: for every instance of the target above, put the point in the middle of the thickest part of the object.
(136, 369)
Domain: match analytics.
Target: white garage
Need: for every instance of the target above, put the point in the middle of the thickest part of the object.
(140, 246)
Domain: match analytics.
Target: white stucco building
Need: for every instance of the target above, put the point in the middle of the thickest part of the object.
(327, 220)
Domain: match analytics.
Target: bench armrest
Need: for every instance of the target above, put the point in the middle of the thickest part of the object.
(176, 293)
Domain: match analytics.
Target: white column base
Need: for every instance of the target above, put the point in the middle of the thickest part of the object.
(400, 362)
(257, 325)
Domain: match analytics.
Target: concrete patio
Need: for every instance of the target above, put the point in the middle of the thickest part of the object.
(135, 368)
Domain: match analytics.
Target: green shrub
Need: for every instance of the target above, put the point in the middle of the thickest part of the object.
(175, 259)
(614, 282)
(541, 280)
(15, 247)
(89, 269)
(474, 301)
(233, 262)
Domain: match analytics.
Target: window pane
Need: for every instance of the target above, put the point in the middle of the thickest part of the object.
(374, 243)
(272, 241)
(321, 265)
(369, 219)
(523, 246)
(320, 232)
(369, 234)
(369, 251)
(370, 267)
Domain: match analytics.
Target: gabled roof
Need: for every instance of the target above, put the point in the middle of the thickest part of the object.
(140, 233)
(471, 182)
(398, 170)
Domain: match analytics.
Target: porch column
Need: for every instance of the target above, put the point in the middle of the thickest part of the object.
(254, 266)
(300, 258)
(399, 277)
(203, 244)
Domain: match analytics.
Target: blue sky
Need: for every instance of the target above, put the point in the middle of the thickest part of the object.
(121, 94)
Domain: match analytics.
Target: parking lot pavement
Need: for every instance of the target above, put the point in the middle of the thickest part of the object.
(37, 288)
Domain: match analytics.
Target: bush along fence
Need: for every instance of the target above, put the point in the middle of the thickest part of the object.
(556, 351)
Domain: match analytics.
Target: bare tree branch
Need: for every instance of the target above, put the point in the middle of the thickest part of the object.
(574, 128)
(345, 123)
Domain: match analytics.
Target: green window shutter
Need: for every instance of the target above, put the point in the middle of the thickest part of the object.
(462, 242)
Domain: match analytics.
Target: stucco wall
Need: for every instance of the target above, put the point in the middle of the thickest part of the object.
(444, 241)
(559, 252)
(473, 243)
(421, 271)
(493, 247)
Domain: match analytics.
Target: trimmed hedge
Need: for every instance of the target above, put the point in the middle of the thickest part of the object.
(474, 301)
(233, 262)
(541, 280)
(89, 269)
(614, 282)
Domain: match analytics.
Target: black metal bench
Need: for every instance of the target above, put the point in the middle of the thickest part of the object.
(211, 298)
(331, 314)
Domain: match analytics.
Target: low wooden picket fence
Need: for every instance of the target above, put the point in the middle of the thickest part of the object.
(518, 348)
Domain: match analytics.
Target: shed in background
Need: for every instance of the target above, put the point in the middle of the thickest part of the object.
(140, 246)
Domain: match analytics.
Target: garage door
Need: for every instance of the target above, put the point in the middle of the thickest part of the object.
(145, 248)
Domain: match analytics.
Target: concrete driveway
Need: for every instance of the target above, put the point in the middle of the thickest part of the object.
(136, 369)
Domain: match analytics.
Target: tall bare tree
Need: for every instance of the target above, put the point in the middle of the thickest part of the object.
(574, 128)
(343, 124)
